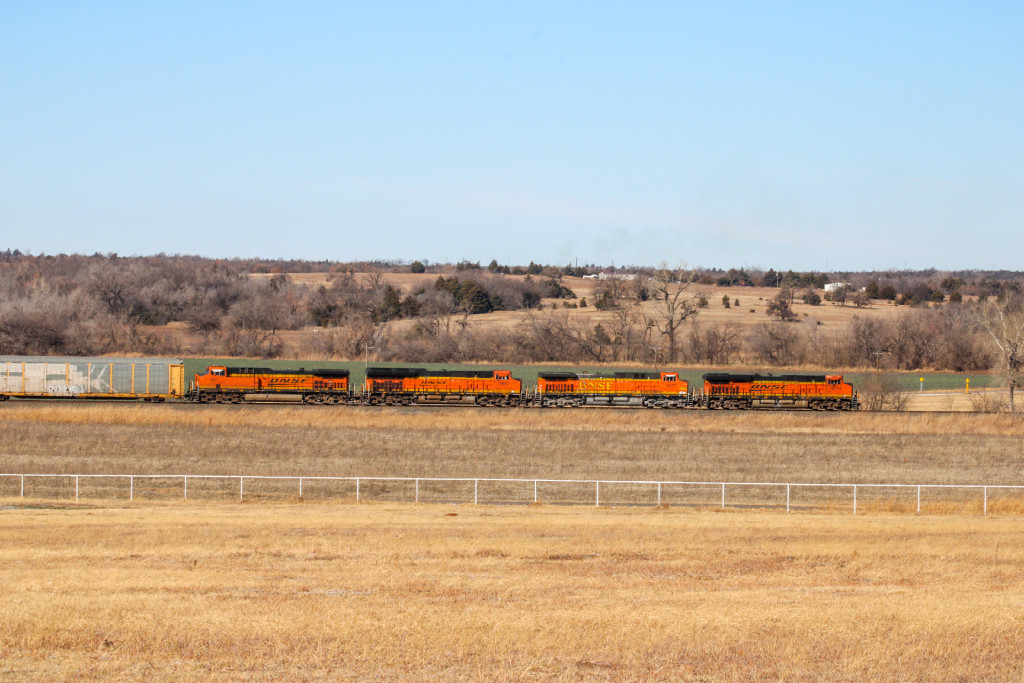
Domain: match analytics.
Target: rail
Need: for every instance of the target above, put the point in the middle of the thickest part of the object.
(528, 490)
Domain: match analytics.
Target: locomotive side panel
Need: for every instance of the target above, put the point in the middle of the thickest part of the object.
(814, 392)
(220, 384)
(418, 385)
(653, 390)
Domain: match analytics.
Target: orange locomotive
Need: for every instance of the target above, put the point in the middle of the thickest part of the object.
(223, 384)
(650, 389)
(404, 386)
(816, 392)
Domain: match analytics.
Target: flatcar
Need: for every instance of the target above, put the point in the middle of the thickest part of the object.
(740, 392)
(141, 379)
(222, 384)
(406, 386)
(649, 389)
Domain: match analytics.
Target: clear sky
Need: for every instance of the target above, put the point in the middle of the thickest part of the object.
(808, 135)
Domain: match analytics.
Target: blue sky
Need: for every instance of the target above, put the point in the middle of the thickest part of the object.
(785, 135)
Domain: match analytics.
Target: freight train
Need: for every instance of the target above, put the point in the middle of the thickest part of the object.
(157, 379)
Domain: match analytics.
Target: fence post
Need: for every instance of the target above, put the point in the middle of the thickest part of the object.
(919, 499)
(534, 490)
(985, 509)
(186, 486)
(854, 499)
(23, 486)
(659, 494)
(476, 490)
(357, 489)
(131, 487)
(241, 488)
(417, 490)
(76, 487)
(597, 494)
(300, 487)
(723, 495)
(787, 499)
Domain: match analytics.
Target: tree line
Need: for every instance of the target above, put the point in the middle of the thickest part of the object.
(105, 304)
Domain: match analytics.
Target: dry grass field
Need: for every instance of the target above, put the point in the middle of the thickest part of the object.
(696, 446)
(327, 592)
(322, 588)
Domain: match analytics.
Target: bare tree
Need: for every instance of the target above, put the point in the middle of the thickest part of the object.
(881, 392)
(777, 343)
(626, 335)
(255, 324)
(610, 289)
(780, 305)
(869, 341)
(676, 302)
(1003, 320)
(860, 298)
(714, 344)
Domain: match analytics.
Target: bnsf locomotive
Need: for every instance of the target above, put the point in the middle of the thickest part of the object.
(649, 389)
(814, 392)
(405, 386)
(221, 384)
(408, 386)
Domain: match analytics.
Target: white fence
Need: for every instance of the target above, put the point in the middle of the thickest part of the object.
(504, 491)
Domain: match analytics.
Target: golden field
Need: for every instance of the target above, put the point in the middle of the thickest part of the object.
(354, 592)
(694, 446)
(323, 588)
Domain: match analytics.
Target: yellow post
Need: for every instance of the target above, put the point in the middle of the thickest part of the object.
(922, 384)
(967, 385)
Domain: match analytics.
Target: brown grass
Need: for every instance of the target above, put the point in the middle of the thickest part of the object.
(979, 449)
(227, 592)
(514, 420)
(281, 589)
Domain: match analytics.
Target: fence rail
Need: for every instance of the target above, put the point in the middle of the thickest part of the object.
(970, 498)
